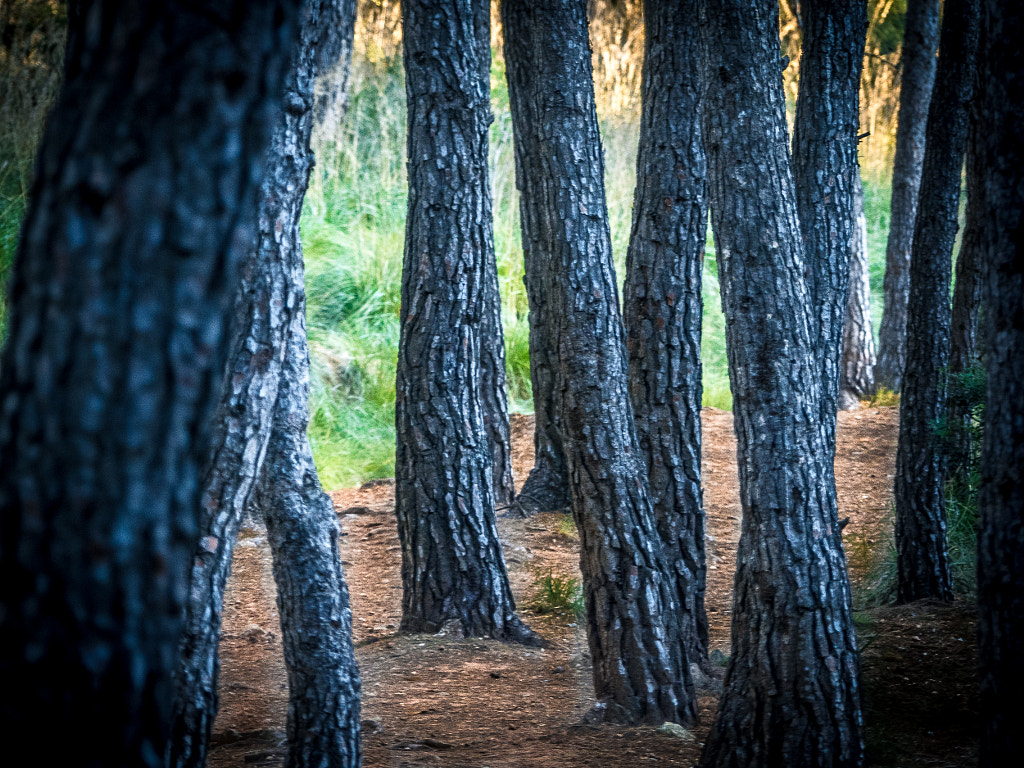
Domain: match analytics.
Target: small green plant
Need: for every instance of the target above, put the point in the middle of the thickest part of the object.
(885, 398)
(558, 594)
(567, 527)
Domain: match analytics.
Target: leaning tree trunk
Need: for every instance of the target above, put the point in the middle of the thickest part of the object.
(265, 309)
(857, 367)
(826, 175)
(1001, 534)
(241, 428)
(641, 672)
(453, 574)
(791, 689)
(662, 299)
(302, 528)
(142, 207)
(920, 36)
(922, 562)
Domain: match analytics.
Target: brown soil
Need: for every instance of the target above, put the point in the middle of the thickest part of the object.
(441, 701)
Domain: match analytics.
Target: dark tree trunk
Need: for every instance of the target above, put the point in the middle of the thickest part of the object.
(922, 561)
(547, 486)
(641, 673)
(493, 388)
(302, 528)
(265, 309)
(142, 207)
(965, 320)
(1001, 535)
(826, 175)
(857, 367)
(241, 428)
(662, 299)
(920, 36)
(791, 689)
(453, 574)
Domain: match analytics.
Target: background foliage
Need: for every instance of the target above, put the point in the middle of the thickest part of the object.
(354, 221)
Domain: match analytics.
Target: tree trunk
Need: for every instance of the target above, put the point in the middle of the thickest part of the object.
(857, 368)
(662, 299)
(965, 319)
(241, 428)
(334, 62)
(302, 528)
(922, 561)
(265, 309)
(493, 388)
(791, 689)
(826, 175)
(142, 207)
(547, 486)
(920, 36)
(641, 673)
(453, 574)
(1001, 535)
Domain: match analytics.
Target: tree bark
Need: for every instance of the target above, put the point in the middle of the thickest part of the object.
(453, 574)
(791, 689)
(662, 302)
(547, 486)
(142, 207)
(857, 368)
(920, 37)
(641, 673)
(919, 491)
(826, 175)
(1001, 535)
(302, 528)
(493, 386)
(334, 61)
(267, 305)
(965, 320)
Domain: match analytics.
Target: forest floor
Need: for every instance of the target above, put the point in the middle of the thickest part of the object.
(450, 702)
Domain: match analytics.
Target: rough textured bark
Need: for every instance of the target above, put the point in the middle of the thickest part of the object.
(312, 598)
(641, 673)
(302, 526)
(547, 486)
(142, 207)
(1001, 534)
(265, 309)
(662, 303)
(791, 689)
(857, 367)
(920, 37)
(453, 574)
(493, 387)
(241, 428)
(826, 175)
(919, 490)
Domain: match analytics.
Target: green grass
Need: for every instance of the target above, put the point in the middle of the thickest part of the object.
(353, 231)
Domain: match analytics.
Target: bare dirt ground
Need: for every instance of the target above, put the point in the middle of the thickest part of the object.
(441, 701)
